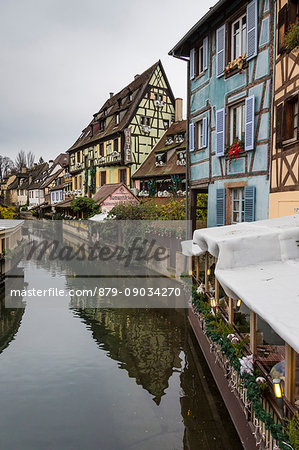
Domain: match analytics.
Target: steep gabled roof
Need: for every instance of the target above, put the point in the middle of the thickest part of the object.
(149, 168)
(107, 190)
(38, 174)
(119, 103)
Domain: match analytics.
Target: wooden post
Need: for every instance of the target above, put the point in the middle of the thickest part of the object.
(206, 273)
(290, 369)
(230, 310)
(197, 267)
(217, 291)
(253, 332)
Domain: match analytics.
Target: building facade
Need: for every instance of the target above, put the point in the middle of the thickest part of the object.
(122, 133)
(284, 190)
(230, 66)
(163, 173)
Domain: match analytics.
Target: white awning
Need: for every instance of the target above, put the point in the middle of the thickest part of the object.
(258, 262)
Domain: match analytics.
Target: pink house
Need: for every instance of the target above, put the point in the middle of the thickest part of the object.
(111, 195)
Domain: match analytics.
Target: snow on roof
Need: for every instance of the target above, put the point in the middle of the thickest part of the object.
(7, 224)
(258, 262)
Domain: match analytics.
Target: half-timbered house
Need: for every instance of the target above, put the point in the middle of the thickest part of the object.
(284, 191)
(230, 69)
(122, 133)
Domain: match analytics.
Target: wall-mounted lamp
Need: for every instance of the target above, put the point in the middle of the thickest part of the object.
(238, 304)
(209, 272)
(278, 392)
(213, 305)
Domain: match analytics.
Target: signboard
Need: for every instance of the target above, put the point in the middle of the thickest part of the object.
(127, 150)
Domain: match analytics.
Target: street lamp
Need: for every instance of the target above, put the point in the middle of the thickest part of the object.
(209, 272)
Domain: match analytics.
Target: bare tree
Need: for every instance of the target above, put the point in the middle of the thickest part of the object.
(20, 160)
(30, 159)
(6, 165)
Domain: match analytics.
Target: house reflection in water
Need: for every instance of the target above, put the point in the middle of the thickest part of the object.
(145, 342)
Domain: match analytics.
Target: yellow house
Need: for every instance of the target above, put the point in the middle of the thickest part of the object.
(122, 133)
(284, 190)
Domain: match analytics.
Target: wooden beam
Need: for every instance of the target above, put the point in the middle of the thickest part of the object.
(290, 370)
(206, 272)
(197, 267)
(230, 310)
(217, 291)
(253, 332)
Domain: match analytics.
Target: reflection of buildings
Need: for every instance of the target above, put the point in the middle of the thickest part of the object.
(145, 342)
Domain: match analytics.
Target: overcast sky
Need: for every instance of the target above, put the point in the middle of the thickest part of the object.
(59, 59)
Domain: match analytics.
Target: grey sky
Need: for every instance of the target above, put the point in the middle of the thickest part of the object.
(59, 59)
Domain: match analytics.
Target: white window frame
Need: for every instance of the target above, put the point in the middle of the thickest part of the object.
(242, 37)
(199, 134)
(117, 119)
(240, 125)
(237, 199)
(200, 60)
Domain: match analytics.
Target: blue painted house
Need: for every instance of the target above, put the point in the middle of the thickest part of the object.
(230, 70)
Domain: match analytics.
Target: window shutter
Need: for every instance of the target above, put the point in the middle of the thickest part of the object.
(249, 203)
(191, 137)
(205, 53)
(192, 63)
(220, 207)
(249, 123)
(204, 132)
(220, 51)
(252, 26)
(220, 131)
(279, 113)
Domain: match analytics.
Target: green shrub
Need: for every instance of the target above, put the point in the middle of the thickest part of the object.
(291, 41)
(293, 430)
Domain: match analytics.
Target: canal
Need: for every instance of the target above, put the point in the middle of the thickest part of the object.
(103, 378)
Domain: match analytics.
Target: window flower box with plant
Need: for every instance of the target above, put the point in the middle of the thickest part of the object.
(233, 151)
(237, 65)
(291, 41)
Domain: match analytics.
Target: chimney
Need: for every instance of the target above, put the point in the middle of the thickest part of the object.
(136, 76)
(111, 94)
(178, 109)
(23, 169)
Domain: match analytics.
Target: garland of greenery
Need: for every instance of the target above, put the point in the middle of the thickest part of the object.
(92, 180)
(85, 182)
(217, 335)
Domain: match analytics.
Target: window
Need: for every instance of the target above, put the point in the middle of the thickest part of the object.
(123, 176)
(75, 183)
(237, 123)
(198, 135)
(159, 97)
(117, 118)
(102, 125)
(101, 149)
(199, 66)
(103, 178)
(237, 196)
(238, 37)
(166, 124)
(115, 145)
(61, 195)
(145, 121)
(130, 96)
(291, 119)
(78, 157)
(57, 194)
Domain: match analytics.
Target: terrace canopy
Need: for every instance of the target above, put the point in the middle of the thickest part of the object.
(258, 262)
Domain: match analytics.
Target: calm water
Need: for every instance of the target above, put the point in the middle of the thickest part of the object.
(104, 378)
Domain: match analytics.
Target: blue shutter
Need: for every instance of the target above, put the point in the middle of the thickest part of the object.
(249, 203)
(191, 137)
(204, 132)
(220, 51)
(252, 26)
(192, 63)
(220, 131)
(205, 53)
(220, 207)
(249, 123)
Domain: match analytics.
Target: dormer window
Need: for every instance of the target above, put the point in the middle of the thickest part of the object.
(105, 112)
(117, 118)
(160, 159)
(130, 96)
(169, 140)
(102, 125)
(119, 102)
